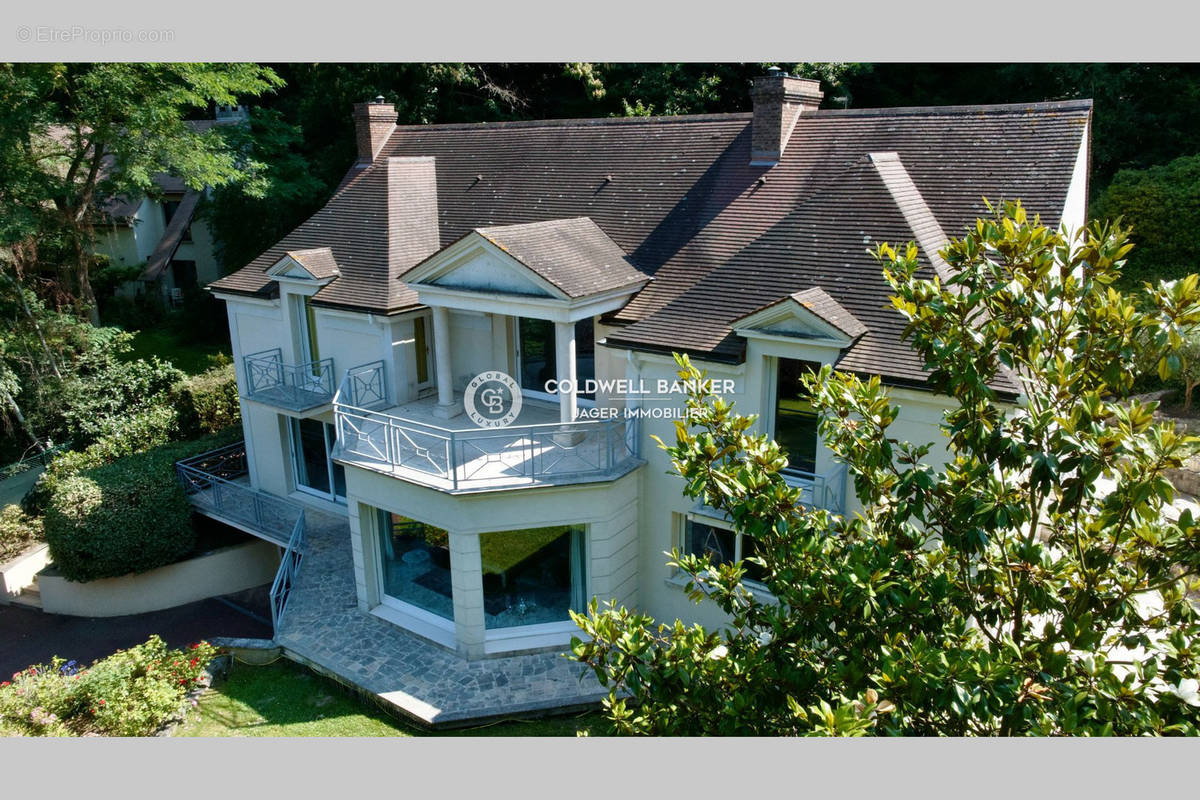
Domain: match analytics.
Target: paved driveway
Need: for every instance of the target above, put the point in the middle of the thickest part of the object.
(31, 637)
(14, 488)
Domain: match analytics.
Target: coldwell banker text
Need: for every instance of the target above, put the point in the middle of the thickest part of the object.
(625, 386)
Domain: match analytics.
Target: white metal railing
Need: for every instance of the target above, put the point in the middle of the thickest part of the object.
(294, 386)
(826, 491)
(209, 481)
(458, 459)
(281, 587)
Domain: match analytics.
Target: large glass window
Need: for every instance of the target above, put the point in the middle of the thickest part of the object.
(795, 420)
(532, 576)
(415, 561)
(722, 546)
(312, 449)
(537, 350)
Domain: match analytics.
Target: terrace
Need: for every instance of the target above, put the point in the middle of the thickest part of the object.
(410, 442)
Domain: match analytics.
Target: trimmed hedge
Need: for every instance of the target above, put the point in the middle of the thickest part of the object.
(208, 402)
(124, 517)
(140, 432)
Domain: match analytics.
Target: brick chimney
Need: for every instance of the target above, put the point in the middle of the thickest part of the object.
(779, 100)
(373, 123)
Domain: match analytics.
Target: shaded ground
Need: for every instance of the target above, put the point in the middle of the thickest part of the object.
(188, 356)
(286, 699)
(31, 637)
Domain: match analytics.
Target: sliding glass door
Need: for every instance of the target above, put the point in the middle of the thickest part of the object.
(312, 451)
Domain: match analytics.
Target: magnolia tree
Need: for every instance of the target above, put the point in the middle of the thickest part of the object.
(1037, 583)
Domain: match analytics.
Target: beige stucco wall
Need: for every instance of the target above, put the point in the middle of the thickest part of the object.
(232, 569)
(19, 572)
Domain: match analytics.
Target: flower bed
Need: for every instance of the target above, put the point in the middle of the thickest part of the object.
(133, 692)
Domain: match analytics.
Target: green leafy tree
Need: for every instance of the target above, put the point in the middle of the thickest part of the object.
(1032, 585)
(75, 134)
(1161, 204)
(1189, 373)
(245, 225)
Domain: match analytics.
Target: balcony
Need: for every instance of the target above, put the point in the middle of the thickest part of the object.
(454, 456)
(294, 387)
(827, 491)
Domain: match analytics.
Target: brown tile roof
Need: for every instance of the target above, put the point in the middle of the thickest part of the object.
(678, 196)
(573, 254)
(318, 261)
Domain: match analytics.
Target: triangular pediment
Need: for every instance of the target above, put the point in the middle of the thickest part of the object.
(811, 314)
(316, 265)
(288, 267)
(475, 264)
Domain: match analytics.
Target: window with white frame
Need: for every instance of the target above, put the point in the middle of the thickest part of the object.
(795, 419)
(721, 544)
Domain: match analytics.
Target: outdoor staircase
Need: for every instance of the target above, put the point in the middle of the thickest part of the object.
(30, 597)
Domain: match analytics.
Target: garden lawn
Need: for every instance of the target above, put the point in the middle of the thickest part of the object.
(189, 357)
(286, 699)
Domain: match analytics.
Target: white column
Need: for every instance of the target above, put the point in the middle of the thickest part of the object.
(466, 581)
(441, 348)
(564, 340)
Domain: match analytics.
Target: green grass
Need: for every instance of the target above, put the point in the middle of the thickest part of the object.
(189, 357)
(286, 699)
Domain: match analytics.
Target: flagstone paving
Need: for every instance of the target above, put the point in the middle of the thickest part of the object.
(323, 626)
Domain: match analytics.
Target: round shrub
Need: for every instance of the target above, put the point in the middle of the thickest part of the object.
(127, 516)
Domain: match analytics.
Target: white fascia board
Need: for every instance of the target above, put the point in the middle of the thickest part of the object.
(265, 302)
(1074, 211)
(547, 308)
(828, 342)
(305, 286)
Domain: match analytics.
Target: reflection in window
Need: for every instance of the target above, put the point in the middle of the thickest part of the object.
(532, 576)
(537, 354)
(795, 420)
(722, 546)
(416, 564)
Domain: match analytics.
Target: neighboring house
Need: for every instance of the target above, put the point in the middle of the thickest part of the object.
(574, 249)
(162, 232)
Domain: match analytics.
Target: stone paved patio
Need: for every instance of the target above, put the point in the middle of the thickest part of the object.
(423, 681)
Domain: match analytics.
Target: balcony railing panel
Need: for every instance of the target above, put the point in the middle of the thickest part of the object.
(518, 455)
(210, 481)
(827, 491)
(297, 387)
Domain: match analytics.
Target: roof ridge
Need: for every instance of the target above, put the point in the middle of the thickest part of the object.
(954, 110)
(731, 116)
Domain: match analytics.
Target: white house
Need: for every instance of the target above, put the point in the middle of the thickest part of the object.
(161, 233)
(369, 341)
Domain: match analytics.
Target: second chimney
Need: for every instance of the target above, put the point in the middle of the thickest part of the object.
(373, 124)
(779, 99)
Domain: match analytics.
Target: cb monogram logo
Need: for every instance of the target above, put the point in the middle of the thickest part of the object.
(492, 399)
